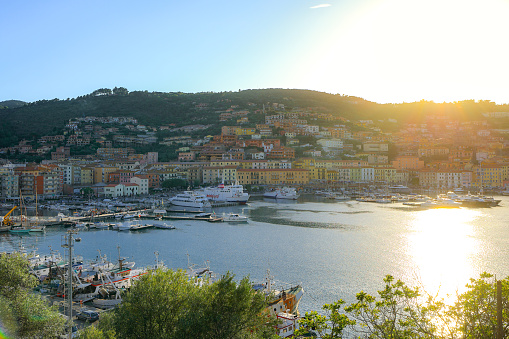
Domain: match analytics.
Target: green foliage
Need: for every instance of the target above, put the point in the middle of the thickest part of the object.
(174, 183)
(155, 306)
(226, 309)
(326, 327)
(14, 276)
(25, 314)
(476, 310)
(166, 304)
(400, 311)
(396, 314)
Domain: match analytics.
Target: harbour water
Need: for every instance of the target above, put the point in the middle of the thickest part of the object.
(336, 249)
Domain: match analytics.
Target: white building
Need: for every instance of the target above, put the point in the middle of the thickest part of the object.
(142, 184)
(331, 143)
(121, 190)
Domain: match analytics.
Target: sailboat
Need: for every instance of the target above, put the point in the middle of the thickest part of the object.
(20, 229)
(37, 227)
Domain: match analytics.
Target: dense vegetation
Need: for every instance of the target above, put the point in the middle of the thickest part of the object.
(47, 117)
(22, 313)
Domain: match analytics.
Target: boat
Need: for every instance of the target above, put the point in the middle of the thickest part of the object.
(125, 226)
(228, 193)
(165, 226)
(399, 189)
(289, 193)
(440, 203)
(19, 229)
(37, 228)
(190, 199)
(283, 303)
(234, 217)
(336, 196)
(101, 225)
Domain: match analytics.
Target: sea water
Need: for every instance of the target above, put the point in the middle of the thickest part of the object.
(335, 249)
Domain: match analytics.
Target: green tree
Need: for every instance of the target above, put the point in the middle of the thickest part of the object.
(166, 304)
(475, 311)
(226, 309)
(329, 326)
(25, 314)
(174, 183)
(397, 313)
(155, 306)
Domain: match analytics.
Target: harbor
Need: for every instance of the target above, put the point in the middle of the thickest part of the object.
(350, 245)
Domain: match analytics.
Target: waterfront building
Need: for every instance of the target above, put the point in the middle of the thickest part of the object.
(272, 176)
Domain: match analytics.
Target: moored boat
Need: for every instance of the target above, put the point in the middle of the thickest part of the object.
(289, 193)
(228, 193)
(234, 217)
(190, 199)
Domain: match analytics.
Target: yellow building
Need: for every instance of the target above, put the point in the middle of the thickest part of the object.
(87, 175)
(219, 174)
(306, 163)
(317, 173)
(272, 176)
(101, 173)
(245, 131)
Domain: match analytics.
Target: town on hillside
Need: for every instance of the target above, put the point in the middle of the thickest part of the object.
(297, 147)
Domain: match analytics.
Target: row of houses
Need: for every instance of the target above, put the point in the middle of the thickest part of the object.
(123, 178)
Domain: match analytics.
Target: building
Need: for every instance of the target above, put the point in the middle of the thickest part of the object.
(273, 176)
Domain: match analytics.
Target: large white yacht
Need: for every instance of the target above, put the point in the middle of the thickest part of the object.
(228, 193)
(190, 199)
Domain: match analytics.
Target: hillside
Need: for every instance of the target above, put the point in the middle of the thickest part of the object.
(48, 117)
(11, 104)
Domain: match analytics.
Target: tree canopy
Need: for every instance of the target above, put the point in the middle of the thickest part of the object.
(24, 314)
(167, 304)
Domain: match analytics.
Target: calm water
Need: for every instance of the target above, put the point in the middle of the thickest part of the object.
(335, 249)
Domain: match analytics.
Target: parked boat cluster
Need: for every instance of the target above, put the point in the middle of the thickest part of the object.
(383, 196)
(99, 283)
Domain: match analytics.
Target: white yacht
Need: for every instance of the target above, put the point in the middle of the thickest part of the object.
(289, 193)
(234, 217)
(228, 193)
(190, 199)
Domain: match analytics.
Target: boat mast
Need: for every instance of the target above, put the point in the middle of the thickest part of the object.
(68, 242)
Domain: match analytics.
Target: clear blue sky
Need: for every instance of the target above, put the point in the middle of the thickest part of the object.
(381, 50)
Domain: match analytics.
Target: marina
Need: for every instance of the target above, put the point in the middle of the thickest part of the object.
(334, 248)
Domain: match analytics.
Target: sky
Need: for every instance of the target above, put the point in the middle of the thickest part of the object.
(386, 51)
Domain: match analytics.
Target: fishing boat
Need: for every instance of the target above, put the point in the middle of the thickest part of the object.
(190, 199)
(283, 303)
(228, 193)
(288, 193)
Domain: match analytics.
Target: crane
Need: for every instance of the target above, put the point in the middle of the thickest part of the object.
(6, 220)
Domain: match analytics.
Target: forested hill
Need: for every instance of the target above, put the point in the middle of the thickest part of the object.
(11, 104)
(48, 117)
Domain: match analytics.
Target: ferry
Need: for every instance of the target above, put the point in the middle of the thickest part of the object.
(190, 199)
(228, 193)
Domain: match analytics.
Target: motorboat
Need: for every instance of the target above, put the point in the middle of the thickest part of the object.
(165, 226)
(234, 217)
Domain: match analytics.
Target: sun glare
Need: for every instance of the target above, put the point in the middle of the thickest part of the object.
(442, 248)
(399, 50)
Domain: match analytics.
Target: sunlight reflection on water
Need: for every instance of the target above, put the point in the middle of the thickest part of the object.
(442, 246)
